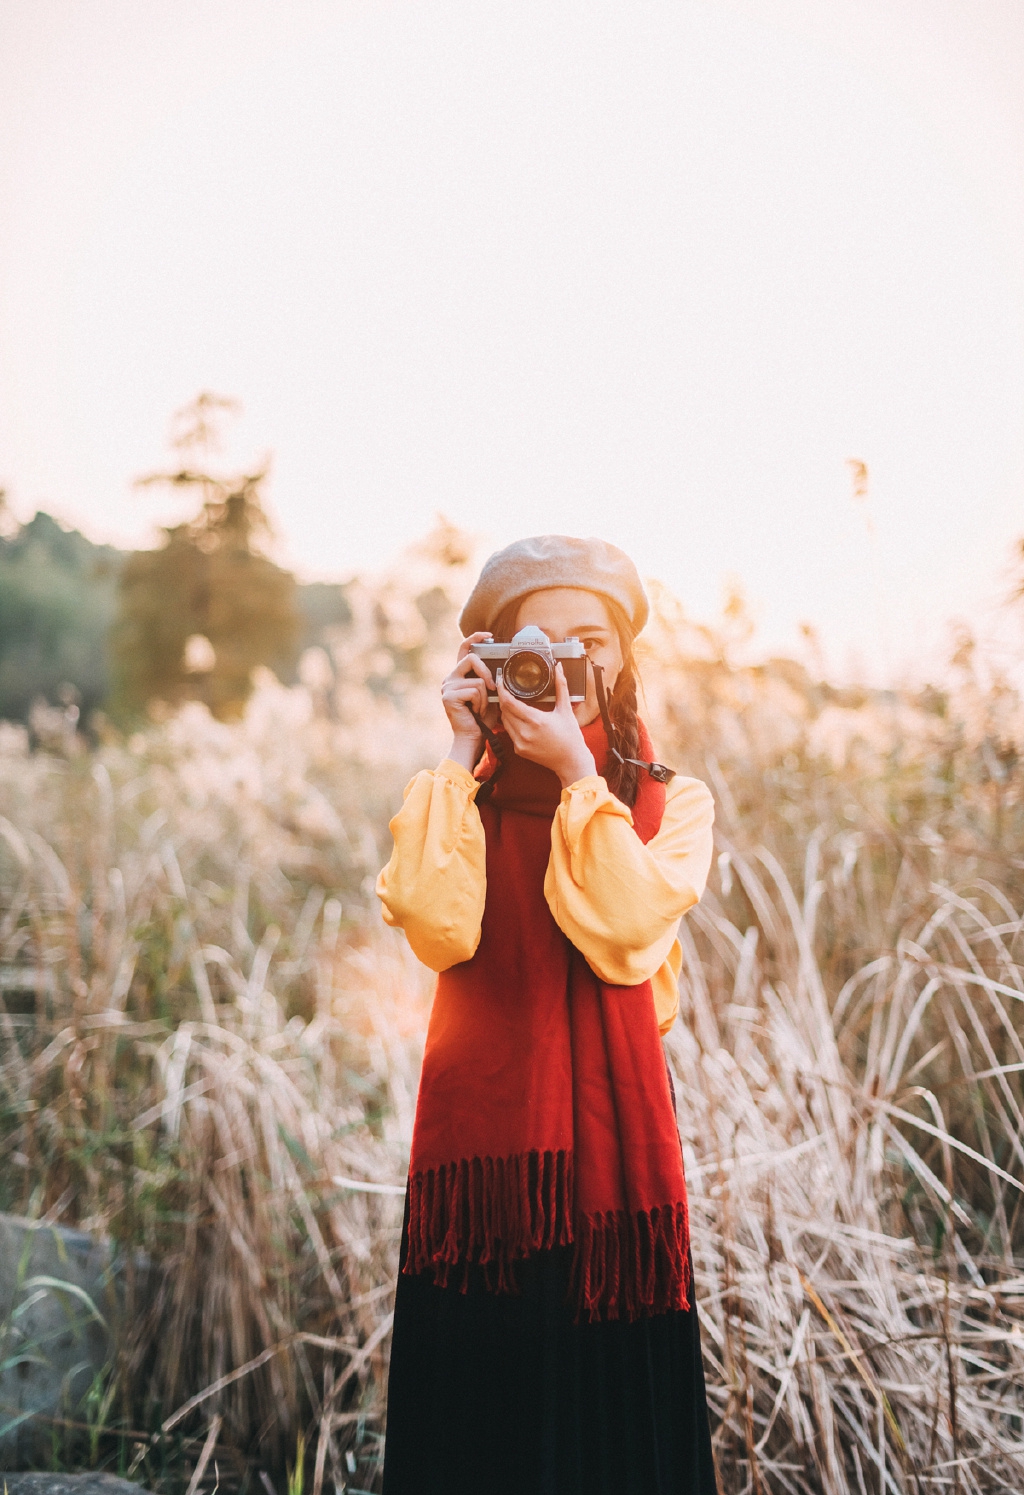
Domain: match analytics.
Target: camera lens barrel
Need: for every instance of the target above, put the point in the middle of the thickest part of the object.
(527, 674)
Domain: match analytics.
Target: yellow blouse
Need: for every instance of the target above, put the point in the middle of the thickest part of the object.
(617, 900)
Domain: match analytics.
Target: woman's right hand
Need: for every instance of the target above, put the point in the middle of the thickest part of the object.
(462, 692)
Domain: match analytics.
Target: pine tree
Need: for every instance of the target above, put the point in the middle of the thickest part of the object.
(198, 614)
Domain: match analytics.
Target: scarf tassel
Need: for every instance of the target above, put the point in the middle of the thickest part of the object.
(630, 1266)
(490, 1213)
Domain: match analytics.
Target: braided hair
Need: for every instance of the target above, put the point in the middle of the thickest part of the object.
(623, 779)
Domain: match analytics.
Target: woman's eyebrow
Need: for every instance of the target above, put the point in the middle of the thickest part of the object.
(588, 628)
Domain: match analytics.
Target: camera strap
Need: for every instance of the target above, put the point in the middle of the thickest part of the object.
(658, 771)
(501, 747)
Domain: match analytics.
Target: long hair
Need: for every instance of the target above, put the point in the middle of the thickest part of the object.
(623, 779)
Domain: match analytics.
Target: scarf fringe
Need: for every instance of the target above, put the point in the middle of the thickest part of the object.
(490, 1213)
(630, 1266)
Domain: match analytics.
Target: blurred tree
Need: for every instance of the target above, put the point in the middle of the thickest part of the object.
(58, 596)
(325, 608)
(199, 613)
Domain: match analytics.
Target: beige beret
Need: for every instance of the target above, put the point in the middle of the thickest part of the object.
(545, 561)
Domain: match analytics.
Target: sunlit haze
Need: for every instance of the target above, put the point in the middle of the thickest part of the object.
(654, 271)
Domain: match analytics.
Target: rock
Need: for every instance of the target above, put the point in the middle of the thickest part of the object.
(58, 1299)
(68, 1484)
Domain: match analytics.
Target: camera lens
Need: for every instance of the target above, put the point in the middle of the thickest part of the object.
(527, 675)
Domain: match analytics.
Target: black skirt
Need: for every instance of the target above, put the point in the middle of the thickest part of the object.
(502, 1395)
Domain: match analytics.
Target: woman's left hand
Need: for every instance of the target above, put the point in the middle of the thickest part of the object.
(551, 738)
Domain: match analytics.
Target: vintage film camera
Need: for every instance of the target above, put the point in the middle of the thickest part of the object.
(527, 667)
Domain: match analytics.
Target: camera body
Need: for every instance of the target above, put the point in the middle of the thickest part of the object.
(527, 667)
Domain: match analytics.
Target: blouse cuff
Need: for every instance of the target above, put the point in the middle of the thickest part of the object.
(460, 777)
(592, 783)
(579, 804)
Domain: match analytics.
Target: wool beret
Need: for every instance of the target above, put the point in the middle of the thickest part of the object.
(544, 561)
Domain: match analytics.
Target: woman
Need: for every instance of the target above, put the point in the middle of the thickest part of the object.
(545, 1338)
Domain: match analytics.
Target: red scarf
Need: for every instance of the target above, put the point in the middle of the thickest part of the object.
(544, 1116)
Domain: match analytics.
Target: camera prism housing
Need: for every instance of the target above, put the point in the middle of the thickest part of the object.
(527, 667)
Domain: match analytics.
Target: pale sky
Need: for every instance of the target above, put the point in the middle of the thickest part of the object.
(647, 270)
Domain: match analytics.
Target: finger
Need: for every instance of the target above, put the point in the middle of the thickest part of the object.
(472, 664)
(511, 713)
(562, 700)
(483, 670)
(461, 709)
(473, 693)
(511, 706)
(474, 638)
(522, 709)
(464, 690)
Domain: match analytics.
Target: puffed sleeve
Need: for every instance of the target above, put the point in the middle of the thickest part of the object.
(617, 900)
(435, 883)
(665, 986)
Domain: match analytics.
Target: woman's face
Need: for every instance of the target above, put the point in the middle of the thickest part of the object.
(570, 612)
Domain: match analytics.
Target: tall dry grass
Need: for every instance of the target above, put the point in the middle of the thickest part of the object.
(216, 1065)
(212, 1055)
